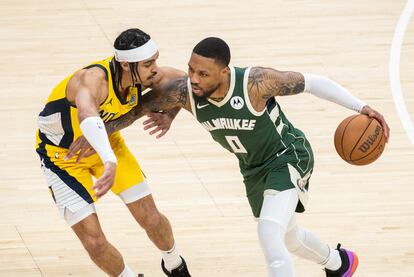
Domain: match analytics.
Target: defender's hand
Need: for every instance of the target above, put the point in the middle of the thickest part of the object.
(158, 122)
(105, 182)
(81, 145)
(374, 114)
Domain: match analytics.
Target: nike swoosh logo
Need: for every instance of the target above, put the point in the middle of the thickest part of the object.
(281, 153)
(202, 106)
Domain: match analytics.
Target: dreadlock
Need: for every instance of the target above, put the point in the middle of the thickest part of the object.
(129, 39)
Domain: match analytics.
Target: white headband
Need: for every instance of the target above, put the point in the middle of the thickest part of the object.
(137, 54)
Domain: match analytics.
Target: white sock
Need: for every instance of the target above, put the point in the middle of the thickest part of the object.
(171, 258)
(334, 261)
(127, 272)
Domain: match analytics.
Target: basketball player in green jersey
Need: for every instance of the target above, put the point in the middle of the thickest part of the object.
(239, 109)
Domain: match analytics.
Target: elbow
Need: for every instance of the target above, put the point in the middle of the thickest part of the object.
(83, 114)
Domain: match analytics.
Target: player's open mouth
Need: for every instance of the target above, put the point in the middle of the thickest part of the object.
(196, 90)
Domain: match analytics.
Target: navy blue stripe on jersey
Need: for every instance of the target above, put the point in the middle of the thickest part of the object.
(101, 67)
(114, 85)
(61, 106)
(70, 181)
(139, 88)
(44, 139)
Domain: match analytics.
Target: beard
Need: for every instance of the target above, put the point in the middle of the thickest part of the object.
(205, 93)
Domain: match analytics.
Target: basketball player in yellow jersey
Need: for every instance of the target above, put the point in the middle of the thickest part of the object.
(79, 105)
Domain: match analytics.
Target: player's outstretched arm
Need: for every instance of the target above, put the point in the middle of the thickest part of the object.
(268, 82)
(328, 89)
(265, 83)
(87, 100)
(171, 96)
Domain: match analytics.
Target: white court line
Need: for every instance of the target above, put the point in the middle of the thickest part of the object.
(394, 70)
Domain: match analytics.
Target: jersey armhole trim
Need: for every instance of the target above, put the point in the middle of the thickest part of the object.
(88, 67)
(190, 95)
(246, 94)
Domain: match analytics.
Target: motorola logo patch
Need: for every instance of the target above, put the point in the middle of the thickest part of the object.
(237, 102)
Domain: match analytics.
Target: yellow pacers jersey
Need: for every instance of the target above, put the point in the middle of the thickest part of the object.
(58, 122)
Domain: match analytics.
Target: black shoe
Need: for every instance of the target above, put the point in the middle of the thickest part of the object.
(349, 264)
(180, 271)
(140, 275)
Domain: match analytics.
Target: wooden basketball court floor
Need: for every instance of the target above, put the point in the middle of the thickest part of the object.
(195, 182)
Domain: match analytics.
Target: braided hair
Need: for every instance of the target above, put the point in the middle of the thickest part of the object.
(129, 39)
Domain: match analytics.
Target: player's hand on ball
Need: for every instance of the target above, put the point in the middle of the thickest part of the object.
(374, 114)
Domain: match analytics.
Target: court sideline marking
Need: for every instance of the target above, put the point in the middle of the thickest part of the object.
(394, 69)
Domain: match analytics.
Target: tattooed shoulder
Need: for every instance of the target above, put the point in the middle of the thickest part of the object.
(176, 91)
(268, 82)
(255, 77)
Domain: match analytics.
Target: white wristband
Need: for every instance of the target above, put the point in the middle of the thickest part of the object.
(93, 129)
(325, 88)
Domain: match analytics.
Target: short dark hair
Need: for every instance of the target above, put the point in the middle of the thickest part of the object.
(214, 48)
(129, 39)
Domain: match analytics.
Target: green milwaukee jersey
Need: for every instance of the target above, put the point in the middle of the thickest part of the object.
(273, 155)
(256, 138)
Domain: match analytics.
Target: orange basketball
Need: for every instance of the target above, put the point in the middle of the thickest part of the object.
(359, 139)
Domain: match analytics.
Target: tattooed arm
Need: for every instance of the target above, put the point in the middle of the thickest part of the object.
(171, 96)
(268, 82)
(265, 83)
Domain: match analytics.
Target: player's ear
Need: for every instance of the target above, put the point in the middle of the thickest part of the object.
(225, 70)
(125, 66)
